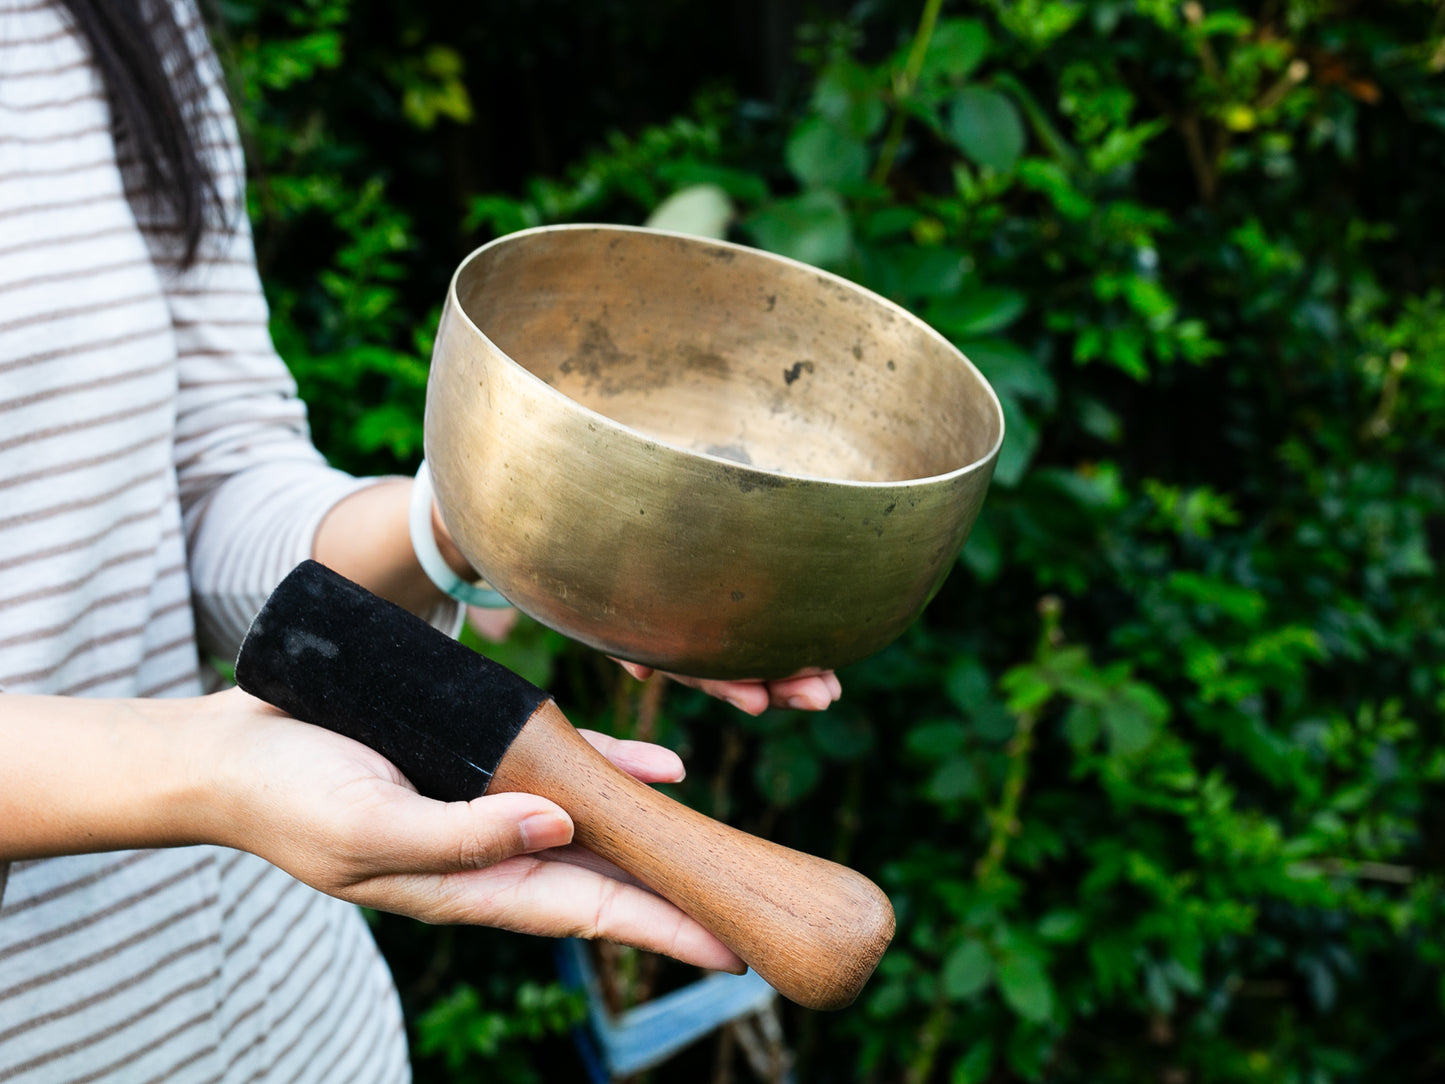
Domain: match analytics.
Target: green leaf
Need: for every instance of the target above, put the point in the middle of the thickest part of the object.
(1050, 180)
(1011, 370)
(991, 722)
(954, 779)
(888, 999)
(934, 740)
(957, 47)
(968, 684)
(840, 736)
(986, 126)
(736, 183)
(1125, 349)
(1020, 442)
(1040, 22)
(499, 214)
(391, 426)
(1132, 719)
(907, 272)
(983, 552)
(1243, 604)
(460, 1029)
(976, 311)
(1061, 926)
(1082, 725)
(812, 228)
(1098, 420)
(1078, 678)
(851, 96)
(1029, 687)
(1025, 986)
(975, 1066)
(887, 222)
(821, 155)
(280, 64)
(967, 970)
(787, 770)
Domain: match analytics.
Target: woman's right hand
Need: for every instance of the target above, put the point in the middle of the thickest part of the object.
(340, 817)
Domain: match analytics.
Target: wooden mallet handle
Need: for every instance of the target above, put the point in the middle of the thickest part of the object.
(813, 929)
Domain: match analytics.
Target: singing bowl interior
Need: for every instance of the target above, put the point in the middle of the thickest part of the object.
(698, 455)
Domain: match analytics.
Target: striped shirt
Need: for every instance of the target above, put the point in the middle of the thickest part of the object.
(156, 480)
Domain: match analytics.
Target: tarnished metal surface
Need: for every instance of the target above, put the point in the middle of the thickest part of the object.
(699, 456)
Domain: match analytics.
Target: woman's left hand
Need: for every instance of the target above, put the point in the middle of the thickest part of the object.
(810, 691)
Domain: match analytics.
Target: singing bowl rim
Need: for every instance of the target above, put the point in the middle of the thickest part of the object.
(979, 463)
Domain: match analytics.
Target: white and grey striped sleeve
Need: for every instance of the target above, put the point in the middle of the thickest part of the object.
(253, 488)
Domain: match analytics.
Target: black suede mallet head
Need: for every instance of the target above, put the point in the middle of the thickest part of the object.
(327, 651)
(459, 725)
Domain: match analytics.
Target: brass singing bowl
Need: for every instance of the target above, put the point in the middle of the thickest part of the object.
(699, 456)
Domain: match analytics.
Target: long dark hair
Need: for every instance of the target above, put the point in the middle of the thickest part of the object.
(157, 105)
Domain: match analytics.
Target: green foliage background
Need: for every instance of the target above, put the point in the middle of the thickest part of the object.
(1156, 783)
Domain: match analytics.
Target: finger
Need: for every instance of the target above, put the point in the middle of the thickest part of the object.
(558, 899)
(493, 626)
(749, 697)
(402, 831)
(813, 693)
(637, 670)
(641, 759)
(577, 855)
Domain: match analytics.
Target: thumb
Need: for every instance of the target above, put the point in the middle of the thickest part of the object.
(412, 834)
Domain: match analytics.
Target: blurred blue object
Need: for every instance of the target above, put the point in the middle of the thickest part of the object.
(618, 1045)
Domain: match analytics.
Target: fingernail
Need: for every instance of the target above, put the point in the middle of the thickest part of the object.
(800, 703)
(542, 830)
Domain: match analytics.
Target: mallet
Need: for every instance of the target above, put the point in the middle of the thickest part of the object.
(459, 725)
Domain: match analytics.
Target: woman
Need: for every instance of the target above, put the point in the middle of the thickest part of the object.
(161, 849)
